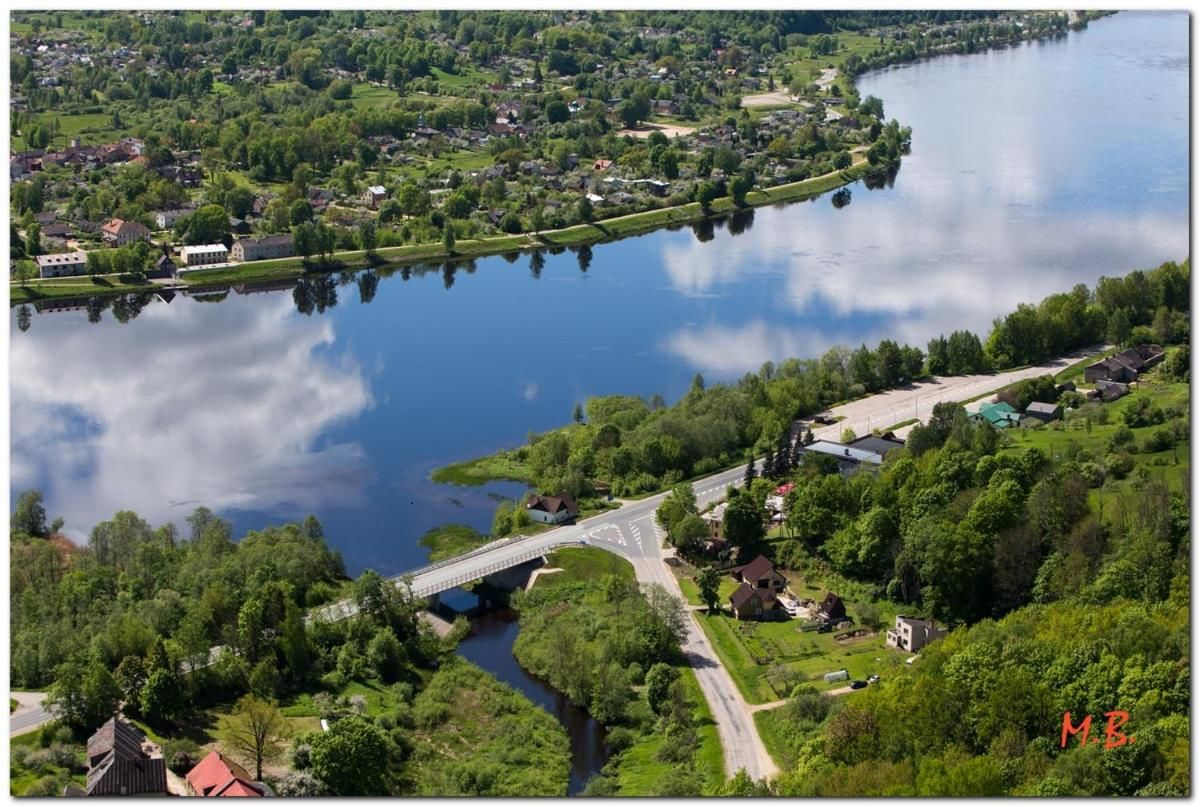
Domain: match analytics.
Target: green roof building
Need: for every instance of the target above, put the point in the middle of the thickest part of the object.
(1000, 415)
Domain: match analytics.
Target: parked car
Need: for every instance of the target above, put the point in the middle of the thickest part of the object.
(858, 684)
(874, 679)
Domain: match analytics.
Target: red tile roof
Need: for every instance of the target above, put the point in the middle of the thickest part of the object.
(216, 776)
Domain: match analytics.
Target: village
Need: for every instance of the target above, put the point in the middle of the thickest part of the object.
(512, 145)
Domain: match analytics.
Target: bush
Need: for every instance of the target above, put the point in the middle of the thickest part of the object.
(46, 786)
(619, 739)
(299, 784)
(1118, 465)
(1120, 438)
(1160, 440)
(429, 713)
(181, 754)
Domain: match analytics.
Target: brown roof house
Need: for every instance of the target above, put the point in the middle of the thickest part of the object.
(831, 609)
(760, 574)
(117, 765)
(119, 232)
(551, 509)
(1124, 366)
(748, 602)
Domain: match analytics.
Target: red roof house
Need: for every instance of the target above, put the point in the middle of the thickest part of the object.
(217, 776)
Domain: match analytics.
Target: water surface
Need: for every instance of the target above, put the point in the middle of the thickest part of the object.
(1032, 169)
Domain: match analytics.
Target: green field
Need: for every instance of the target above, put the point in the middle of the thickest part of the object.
(1083, 431)
(365, 96)
(583, 563)
(92, 129)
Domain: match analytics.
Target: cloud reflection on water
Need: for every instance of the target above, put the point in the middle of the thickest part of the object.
(225, 409)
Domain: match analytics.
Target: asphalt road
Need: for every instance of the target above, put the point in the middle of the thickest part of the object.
(30, 714)
(631, 532)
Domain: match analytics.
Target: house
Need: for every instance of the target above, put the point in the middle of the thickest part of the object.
(831, 609)
(373, 195)
(62, 264)
(1124, 366)
(257, 249)
(118, 232)
(163, 267)
(215, 776)
(319, 199)
(912, 634)
(748, 602)
(118, 766)
(1113, 368)
(165, 219)
(848, 459)
(601, 165)
(1044, 412)
(238, 226)
(551, 509)
(761, 575)
(187, 177)
(1111, 390)
(204, 255)
(1001, 415)
(715, 519)
(882, 444)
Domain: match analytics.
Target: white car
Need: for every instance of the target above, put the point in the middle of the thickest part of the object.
(874, 679)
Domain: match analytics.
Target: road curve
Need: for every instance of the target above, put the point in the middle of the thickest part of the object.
(31, 713)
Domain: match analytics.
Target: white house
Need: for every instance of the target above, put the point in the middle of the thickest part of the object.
(551, 509)
(374, 195)
(165, 219)
(912, 634)
(204, 254)
(62, 264)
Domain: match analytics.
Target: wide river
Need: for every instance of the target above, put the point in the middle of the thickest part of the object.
(1032, 169)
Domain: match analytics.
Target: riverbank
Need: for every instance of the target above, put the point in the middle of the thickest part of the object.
(602, 231)
(661, 744)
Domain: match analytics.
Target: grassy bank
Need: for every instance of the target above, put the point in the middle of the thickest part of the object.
(476, 736)
(503, 465)
(578, 235)
(640, 771)
(450, 540)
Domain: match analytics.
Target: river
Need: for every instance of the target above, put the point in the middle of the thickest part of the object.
(1032, 169)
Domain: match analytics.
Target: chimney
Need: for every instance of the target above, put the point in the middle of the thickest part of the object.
(847, 452)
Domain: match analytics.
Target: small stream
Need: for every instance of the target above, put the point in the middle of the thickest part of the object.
(490, 647)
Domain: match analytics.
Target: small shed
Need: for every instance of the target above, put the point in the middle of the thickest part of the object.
(837, 675)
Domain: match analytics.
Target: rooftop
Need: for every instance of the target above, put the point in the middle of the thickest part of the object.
(843, 452)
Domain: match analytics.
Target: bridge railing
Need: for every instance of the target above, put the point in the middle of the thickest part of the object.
(479, 550)
(475, 573)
